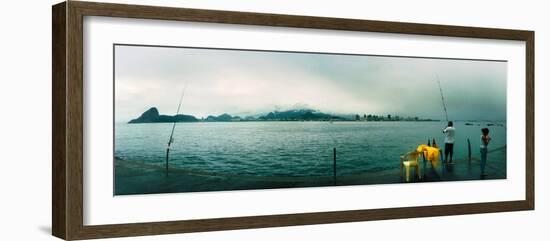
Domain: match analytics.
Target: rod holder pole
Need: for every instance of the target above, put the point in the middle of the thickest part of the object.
(469, 152)
(443, 164)
(334, 165)
(423, 165)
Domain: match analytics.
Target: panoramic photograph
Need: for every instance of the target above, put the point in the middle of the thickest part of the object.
(190, 119)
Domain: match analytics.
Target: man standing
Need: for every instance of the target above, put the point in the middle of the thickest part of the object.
(449, 132)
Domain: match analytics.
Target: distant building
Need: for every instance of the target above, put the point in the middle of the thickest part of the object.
(389, 117)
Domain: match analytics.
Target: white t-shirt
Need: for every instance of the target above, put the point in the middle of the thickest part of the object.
(449, 134)
(482, 145)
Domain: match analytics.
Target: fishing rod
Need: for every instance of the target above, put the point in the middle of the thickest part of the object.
(442, 99)
(171, 140)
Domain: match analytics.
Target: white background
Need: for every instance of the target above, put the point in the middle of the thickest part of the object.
(100, 207)
(25, 123)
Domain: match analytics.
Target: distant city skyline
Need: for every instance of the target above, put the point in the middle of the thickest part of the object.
(257, 82)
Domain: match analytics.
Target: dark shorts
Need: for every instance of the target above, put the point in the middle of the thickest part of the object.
(449, 150)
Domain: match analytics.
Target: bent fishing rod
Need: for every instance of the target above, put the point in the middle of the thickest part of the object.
(442, 99)
(171, 140)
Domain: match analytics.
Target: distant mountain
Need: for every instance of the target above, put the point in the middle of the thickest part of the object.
(300, 115)
(224, 117)
(152, 116)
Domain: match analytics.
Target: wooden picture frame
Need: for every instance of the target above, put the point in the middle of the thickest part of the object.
(67, 119)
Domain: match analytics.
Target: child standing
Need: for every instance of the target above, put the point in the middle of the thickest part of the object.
(485, 139)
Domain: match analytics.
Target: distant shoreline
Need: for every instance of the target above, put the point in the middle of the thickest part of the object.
(152, 116)
(241, 121)
(467, 123)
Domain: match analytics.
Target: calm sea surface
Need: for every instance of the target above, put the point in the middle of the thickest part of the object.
(291, 149)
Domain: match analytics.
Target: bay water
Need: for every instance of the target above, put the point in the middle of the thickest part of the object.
(293, 149)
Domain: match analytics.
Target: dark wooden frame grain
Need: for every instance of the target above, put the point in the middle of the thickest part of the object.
(67, 119)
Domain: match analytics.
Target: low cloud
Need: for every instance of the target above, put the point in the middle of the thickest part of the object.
(231, 81)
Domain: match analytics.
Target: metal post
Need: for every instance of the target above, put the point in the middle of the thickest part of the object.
(443, 164)
(334, 165)
(424, 165)
(469, 152)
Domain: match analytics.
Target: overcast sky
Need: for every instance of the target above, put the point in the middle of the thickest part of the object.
(251, 82)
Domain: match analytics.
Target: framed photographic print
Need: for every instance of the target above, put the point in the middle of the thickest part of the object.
(172, 120)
